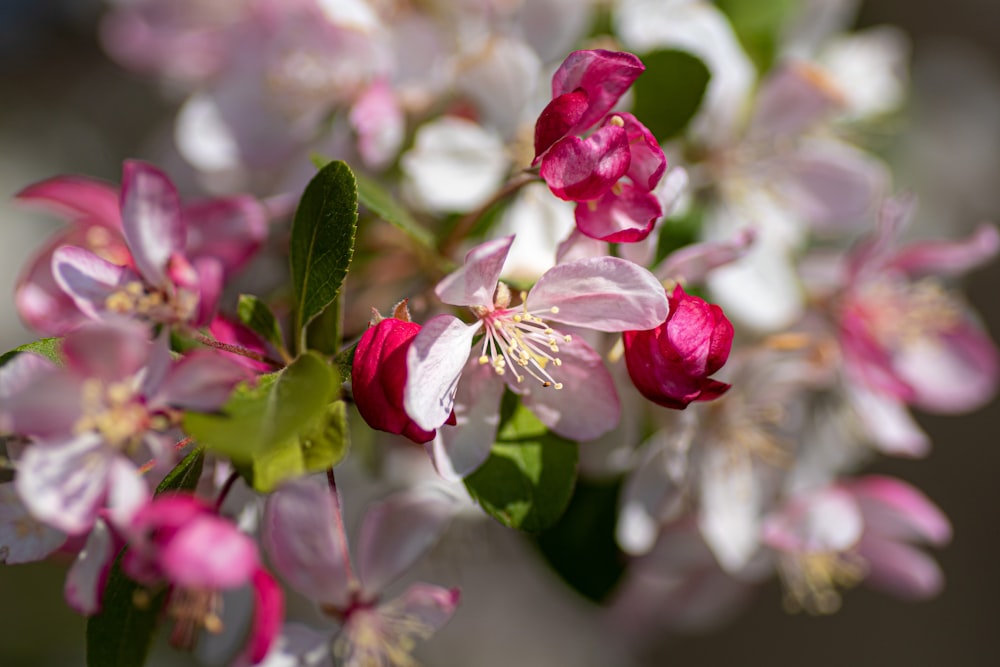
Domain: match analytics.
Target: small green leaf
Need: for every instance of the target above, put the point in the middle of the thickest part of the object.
(669, 92)
(759, 25)
(322, 241)
(47, 347)
(378, 200)
(255, 314)
(320, 446)
(279, 408)
(122, 633)
(528, 479)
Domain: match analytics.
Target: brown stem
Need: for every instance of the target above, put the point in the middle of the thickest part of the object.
(339, 518)
(465, 225)
(236, 349)
(226, 488)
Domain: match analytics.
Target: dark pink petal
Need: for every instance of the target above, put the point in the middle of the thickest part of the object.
(560, 116)
(948, 258)
(600, 293)
(88, 575)
(202, 381)
(583, 169)
(900, 569)
(151, 219)
(268, 614)
(210, 553)
(474, 283)
(603, 75)
(302, 533)
(210, 284)
(78, 198)
(229, 229)
(397, 532)
(378, 378)
(648, 161)
(893, 509)
(625, 216)
(587, 406)
(110, 351)
(86, 278)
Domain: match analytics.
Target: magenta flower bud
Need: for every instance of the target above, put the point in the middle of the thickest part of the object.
(670, 364)
(378, 376)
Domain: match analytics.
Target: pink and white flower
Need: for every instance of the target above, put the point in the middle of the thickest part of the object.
(303, 534)
(114, 403)
(558, 376)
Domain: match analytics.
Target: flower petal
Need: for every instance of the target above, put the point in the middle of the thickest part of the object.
(600, 293)
(303, 535)
(88, 575)
(23, 539)
(474, 283)
(648, 162)
(86, 278)
(900, 569)
(434, 365)
(396, 532)
(462, 448)
(557, 119)
(210, 553)
(578, 169)
(625, 214)
(151, 219)
(268, 613)
(111, 350)
(603, 75)
(229, 229)
(77, 197)
(587, 406)
(894, 509)
(949, 258)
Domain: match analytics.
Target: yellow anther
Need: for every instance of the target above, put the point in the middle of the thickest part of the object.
(617, 121)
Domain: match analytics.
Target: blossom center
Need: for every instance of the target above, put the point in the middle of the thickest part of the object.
(812, 579)
(906, 313)
(194, 610)
(113, 410)
(520, 341)
(135, 298)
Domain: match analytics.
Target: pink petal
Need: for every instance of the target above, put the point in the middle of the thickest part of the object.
(694, 262)
(127, 491)
(201, 381)
(434, 365)
(110, 351)
(88, 575)
(578, 169)
(229, 229)
(397, 532)
(302, 532)
(462, 448)
(23, 539)
(19, 372)
(77, 197)
(268, 613)
(151, 219)
(828, 519)
(41, 302)
(380, 124)
(949, 258)
(793, 98)
(600, 293)
(431, 606)
(210, 284)
(474, 283)
(86, 278)
(603, 75)
(63, 483)
(888, 423)
(953, 373)
(894, 509)
(625, 214)
(560, 116)
(209, 553)
(647, 160)
(587, 406)
(900, 569)
(48, 407)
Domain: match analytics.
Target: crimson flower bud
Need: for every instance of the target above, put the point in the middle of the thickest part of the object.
(670, 364)
(378, 377)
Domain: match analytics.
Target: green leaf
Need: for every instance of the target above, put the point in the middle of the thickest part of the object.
(581, 546)
(320, 446)
(262, 418)
(122, 633)
(255, 314)
(323, 333)
(759, 25)
(47, 347)
(380, 202)
(322, 241)
(669, 92)
(528, 479)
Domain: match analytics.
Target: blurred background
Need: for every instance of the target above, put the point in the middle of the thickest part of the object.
(67, 109)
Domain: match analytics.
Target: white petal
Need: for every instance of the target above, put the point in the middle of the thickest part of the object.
(23, 539)
(730, 517)
(86, 577)
(462, 448)
(474, 283)
(434, 365)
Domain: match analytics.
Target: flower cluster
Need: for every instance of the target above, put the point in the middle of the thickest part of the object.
(728, 340)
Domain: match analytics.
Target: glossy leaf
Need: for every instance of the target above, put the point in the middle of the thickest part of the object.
(669, 92)
(259, 419)
(322, 241)
(380, 202)
(255, 314)
(47, 347)
(528, 480)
